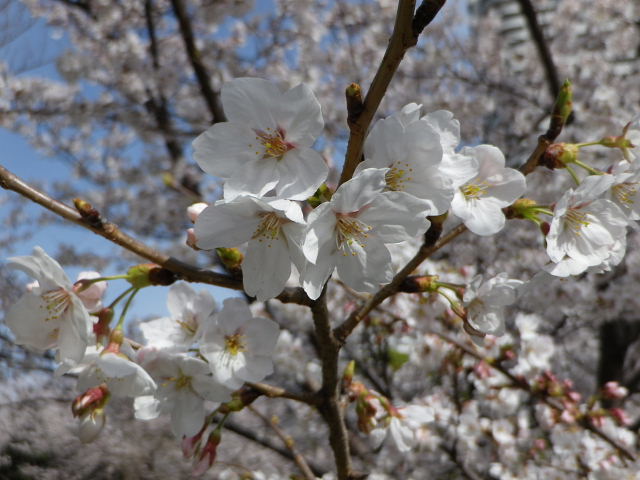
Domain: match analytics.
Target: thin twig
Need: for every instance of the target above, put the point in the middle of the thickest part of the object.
(211, 98)
(288, 442)
(285, 452)
(279, 392)
(405, 35)
(550, 70)
(112, 232)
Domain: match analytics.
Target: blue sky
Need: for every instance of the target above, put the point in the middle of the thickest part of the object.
(25, 161)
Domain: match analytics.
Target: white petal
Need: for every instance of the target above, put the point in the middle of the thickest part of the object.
(187, 415)
(43, 268)
(301, 171)
(27, 323)
(146, 407)
(351, 196)
(396, 216)
(257, 178)
(367, 268)
(225, 148)
(266, 267)
(248, 101)
(299, 114)
(227, 224)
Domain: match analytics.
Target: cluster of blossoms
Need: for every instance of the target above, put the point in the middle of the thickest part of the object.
(411, 170)
(195, 363)
(192, 362)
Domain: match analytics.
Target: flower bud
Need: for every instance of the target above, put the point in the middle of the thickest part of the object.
(192, 241)
(146, 274)
(194, 210)
(90, 293)
(231, 258)
(207, 455)
(91, 425)
(419, 284)
(620, 416)
(614, 391)
(93, 399)
(89, 214)
(559, 155)
(347, 376)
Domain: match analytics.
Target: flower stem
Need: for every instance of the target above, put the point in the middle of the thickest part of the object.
(573, 174)
(126, 307)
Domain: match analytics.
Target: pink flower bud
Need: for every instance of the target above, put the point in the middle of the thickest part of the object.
(567, 417)
(93, 399)
(191, 239)
(90, 293)
(193, 211)
(190, 445)
(614, 391)
(207, 455)
(620, 416)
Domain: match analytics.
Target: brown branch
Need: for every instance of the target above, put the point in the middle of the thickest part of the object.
(405, 35)
(211, 98)
(288, 442)
(278, 392)
(329, 395)
(551, 72)
(284, 452)
(112, 232)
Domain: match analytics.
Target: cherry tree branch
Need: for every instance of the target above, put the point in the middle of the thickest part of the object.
(211, 98)
(551, 72)
(112, 232)
(288, 442)
(329, 395)
(284, 452)
(278, 392)
(406, 31)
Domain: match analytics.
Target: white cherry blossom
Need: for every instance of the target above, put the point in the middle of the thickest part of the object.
(411, 149)
(266, 142)
(190, 311)
(50, 314)
(480, 200)
(124, 377)
(238, 346)
(625, 188)
(485, 302)
(184, 384)
(274, 229)
(350, 232)
(586, 230)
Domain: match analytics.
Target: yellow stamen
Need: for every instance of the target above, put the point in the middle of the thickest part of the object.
(57, 303)
(626, 192)
(474, 191)
(273, 142)
(397, 175)
(234, 344)
(575, 220)
(269, 227)
(350, 230)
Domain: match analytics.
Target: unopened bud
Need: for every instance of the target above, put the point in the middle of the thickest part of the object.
(559, 155)
(194, 210)
(620, 416)
(90, 215)
(93, 399)
(207, 455)
(89, 292)
(231, 258)
(192, 241)
(347, 376)
(614, 391)
(146, 274)
(91, 425)
(419, 284)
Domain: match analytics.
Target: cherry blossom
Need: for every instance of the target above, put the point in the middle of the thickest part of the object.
(238, 346)
(190, 312)
(51, 314)
(274, 229)
(266, 143)
(350, 232)
(485, 302)
(480, 200)
(184, 384)
(411, 149)
(586, 230)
